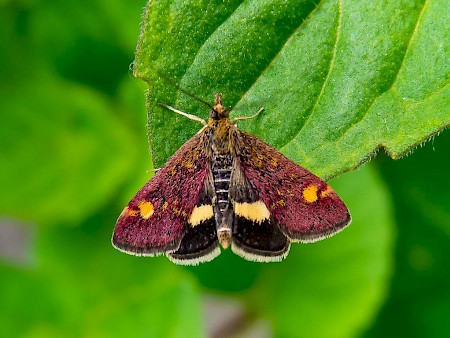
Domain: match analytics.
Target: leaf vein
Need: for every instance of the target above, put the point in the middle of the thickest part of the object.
(284, 46)
(327, 77)
(330, 67)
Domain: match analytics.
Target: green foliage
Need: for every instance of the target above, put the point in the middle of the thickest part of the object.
(420, 296)
(65, 141)
(338, 80)
(83, 288)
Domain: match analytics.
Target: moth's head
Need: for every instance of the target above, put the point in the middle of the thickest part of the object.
(219, 111)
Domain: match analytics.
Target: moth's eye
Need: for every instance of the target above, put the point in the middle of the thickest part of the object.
(214, 114)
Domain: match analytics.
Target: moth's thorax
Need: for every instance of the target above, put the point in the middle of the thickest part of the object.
(220, 135)
(219, 124)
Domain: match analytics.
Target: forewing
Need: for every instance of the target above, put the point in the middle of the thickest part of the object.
(156, 219)
(306, 208)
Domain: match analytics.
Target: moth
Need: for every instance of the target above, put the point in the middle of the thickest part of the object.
(225, 187)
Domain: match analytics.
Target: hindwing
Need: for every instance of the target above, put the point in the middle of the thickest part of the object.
(256, 235)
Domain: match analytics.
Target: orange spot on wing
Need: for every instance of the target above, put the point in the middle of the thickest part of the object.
(188, 164)
(326, 192)
(174, 170)
(176, 209)
(128, 212)
(279, 203)
(257, 160)
(310, 193)
(274, 161)
(146, 209)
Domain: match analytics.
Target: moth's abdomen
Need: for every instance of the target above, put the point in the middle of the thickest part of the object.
(221, 169)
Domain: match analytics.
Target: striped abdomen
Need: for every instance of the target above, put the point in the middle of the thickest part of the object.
(221, 169)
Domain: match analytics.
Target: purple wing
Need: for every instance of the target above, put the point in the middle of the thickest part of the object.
(305, 207)
(156, 219)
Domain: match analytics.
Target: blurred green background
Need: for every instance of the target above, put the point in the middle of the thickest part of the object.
(73, 152)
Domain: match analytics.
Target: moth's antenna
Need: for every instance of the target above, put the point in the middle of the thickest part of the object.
(184, 91)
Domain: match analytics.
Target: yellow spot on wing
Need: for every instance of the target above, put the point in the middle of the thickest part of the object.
(201, 213)
(326, 192)
(279, 203)
(256, 211)
(146, 209)
(127, 212)
(310, 193)
(274, 161)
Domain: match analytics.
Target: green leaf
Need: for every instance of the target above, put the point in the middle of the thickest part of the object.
(420, 296)
(59, 157)
(338, 80)
(68, 147)
(96, 291)
(333, 288)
